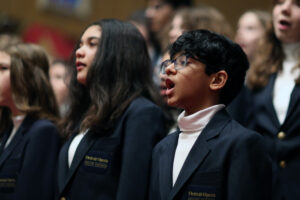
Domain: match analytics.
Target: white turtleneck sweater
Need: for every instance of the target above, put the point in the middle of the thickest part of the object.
(17, 121)
(285, 80)
(191, 127)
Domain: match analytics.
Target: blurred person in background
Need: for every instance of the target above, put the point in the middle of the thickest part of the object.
(30, 141)
(159, 14)
(60, 78)
(252, 26)
(139, 19)
(274, 80)
(9, 31)
(200, 17)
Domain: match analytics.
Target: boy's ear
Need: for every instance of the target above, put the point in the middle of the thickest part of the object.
(218, 80)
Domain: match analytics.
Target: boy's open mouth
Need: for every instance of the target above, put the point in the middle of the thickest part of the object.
(169, 84)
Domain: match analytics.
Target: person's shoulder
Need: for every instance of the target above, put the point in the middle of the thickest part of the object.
(238, 132)
(142, 104)
(166, 142)
(43, 123)
(43, 127)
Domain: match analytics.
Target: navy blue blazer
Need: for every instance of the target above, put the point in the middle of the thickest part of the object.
(240, 108)
(116, 165)
(227, 162)
(28, 163)
(283, 140)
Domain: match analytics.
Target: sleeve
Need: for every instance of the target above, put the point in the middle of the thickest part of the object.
(37, 175)
(250, 170)
(144, 128)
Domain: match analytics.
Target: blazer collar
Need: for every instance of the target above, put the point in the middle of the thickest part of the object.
(5, 137)
(294, 102)
(200, 150)
(63, 167)
(83, 147)
(268, 96)
(26, 124)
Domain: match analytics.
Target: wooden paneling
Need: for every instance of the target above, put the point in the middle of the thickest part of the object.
(27, 12)
(232, 9)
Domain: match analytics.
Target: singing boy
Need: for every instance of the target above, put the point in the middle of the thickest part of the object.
(211, 156)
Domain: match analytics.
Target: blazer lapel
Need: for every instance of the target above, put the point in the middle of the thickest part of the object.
(4, 138)
(294, 102)
(200, 150)
(81, 151)
(166, 165)
(16, 139)
(63, 163)
(269, 101)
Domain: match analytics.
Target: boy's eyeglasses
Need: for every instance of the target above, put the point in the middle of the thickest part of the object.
(179, 63)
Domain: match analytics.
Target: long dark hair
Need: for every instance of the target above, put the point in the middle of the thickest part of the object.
(121, 71)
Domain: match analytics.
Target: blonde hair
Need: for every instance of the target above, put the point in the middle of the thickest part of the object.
(205, 17)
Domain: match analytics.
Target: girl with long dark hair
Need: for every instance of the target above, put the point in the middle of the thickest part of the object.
(113, 122)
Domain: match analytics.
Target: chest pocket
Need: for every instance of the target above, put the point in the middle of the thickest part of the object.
(97, 162)
(201, 192)
(9, 174)
(204, 186)
(8, 182)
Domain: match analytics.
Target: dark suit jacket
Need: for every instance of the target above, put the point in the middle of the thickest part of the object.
(227, 162)
(116, 165)
(285, 151)
(241, 107)
(28, 163)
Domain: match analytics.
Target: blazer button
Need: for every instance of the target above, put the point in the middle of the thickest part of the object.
(282, 164)
(281, 135)
(62, 198)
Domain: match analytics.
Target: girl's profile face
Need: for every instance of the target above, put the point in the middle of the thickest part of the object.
(286, 20)
(249, 32)
(86, 52)
(176, 28)
(59, 79)
(5, 89)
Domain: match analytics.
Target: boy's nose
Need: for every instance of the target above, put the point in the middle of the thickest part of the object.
(170, 69)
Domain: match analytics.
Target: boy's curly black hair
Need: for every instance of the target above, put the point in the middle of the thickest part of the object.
(217, 53)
